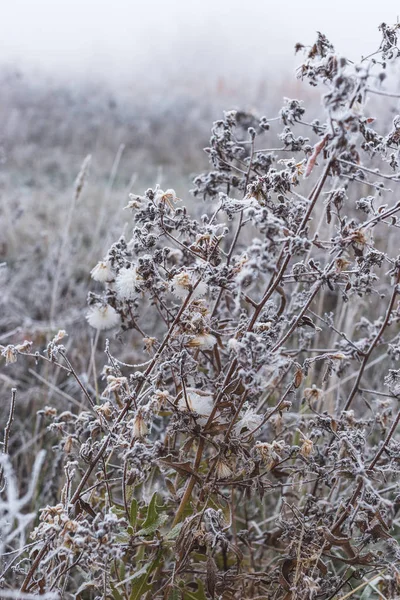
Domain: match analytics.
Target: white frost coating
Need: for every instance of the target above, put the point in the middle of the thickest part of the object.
(13, 521)
(27, 596)
(249, 420)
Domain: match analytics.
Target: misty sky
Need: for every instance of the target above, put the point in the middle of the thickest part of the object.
(120, 38)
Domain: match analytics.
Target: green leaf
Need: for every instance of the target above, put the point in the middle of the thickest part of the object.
(152, 513)
(159, 522)
(371, 590)
(133, 512)
(140, 584)
(140, 579)
(115, 593)
(122, 570)
(171, 535)
(153, 520)
(174, 595)
(118, 510)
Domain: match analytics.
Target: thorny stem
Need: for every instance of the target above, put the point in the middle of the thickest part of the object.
(274, 283)
(382, 93)
(271, 413)
(77, 379)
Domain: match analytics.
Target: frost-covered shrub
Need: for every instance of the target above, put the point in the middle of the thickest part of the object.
(250, 450)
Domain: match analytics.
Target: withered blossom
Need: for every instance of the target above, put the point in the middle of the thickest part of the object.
(102, 317)
(102, 272)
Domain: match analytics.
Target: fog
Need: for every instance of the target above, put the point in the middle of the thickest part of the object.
(126, 39)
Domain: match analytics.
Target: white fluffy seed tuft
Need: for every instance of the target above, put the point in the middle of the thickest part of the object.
(102, 317)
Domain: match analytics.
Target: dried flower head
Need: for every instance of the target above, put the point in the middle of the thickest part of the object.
(102, 272)
(127, 283)
(61, 334)
(222, 469)
(194, 401)
(149, 344)
(10, 353)
(139, 426)
(168, 197)
(102, 316)
(105, 409)
(313, 394)
(205, 341)
(306, 446)
(270, 453)
(248, 421)
(184, 282)
(116, 384)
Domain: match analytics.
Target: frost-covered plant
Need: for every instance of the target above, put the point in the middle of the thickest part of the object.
(250, 449)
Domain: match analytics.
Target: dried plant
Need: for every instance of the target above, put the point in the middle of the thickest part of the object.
(251, 450)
